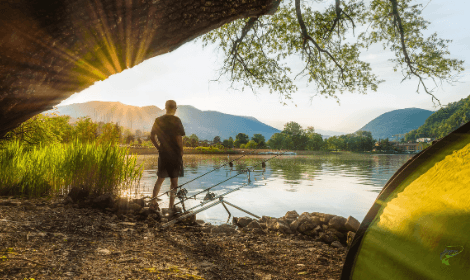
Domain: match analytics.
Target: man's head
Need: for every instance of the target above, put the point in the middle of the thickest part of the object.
(170, 107)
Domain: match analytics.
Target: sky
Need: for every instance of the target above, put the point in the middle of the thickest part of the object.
(185, 75)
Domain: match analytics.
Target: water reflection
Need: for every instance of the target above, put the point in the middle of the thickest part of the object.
(341, 184)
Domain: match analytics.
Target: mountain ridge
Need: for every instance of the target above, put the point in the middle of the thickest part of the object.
(395, 122)
(205, 124)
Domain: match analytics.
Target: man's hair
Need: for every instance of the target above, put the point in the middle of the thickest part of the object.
(170, 104)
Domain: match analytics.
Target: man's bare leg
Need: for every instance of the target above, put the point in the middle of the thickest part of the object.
(156, 189)
(173, 187)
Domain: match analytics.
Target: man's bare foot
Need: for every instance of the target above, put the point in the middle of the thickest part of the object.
(154, 205)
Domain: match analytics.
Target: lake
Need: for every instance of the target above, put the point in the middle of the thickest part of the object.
(343, 184)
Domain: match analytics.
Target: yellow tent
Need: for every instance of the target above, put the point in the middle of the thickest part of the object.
(419, 225)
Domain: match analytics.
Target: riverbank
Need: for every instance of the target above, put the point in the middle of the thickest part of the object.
(195, 151)
(44, 239)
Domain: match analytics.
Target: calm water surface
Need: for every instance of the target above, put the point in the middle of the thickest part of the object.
(341, 184)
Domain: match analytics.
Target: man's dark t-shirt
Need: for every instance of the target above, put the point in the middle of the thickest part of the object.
(168, 128)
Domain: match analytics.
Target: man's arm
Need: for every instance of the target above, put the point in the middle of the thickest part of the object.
(152, 138)
(179, 139)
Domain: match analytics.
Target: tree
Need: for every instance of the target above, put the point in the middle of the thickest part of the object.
(110, 134)
(217, 140)
(251, 144)
(254, 47)
(260, 140)
(242, 138)
(315, 141)
(85, 130)
(292, 128)
(228, 143)
(279, 141)
(194, 140)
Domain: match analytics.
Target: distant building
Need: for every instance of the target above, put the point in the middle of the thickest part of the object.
(409, 147)
(424, 140)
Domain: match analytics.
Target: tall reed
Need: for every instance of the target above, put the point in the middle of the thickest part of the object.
(54, 169)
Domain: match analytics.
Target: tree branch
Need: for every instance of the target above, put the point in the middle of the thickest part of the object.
(398, 24)
(307, 38)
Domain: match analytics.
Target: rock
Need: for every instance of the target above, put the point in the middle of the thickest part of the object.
(244, 221)
(265, 219)
(281, 227)
(78, 193)
(258, 231)
(324, 227)
(104, 252)
(144, 211)
(352, 224)
(291, 215)
(337, 222)
(67, 200)
(225, 228)
(319, 228)
(336, 233)
(103, 201)
(325, 218)
(254, 224)
(139, 201)
(327, 238)
(309, 224)
(134, 207)
(234, 220)
(200, 222)
(350, 237)
(295, 224)
(336, 244)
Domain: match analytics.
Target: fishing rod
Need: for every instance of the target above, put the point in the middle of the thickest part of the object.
(203, 175)
(182, 195)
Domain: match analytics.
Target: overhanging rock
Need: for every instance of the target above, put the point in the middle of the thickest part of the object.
(50, 49)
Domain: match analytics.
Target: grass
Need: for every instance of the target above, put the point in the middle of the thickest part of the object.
(49, 170)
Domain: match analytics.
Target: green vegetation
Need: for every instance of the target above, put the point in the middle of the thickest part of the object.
(359, 141)
(443, 122)
(321, 39)
(294, 137)
(46, 156)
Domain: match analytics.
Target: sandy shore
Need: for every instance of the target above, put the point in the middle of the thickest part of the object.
(49, 240)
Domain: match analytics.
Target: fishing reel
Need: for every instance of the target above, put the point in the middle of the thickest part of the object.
(209, 196)
(181, 194)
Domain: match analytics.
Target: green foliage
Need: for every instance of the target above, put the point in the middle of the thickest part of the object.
(242, 138)
(42, 129)
(217, 140)
(251, 144)
(294, 137)
(359, 141)
(260, 140)
(86, 130)
(110, 134)
(443, 122)
(228, 143)
(48, 170)
(256, 50)
(209, 149)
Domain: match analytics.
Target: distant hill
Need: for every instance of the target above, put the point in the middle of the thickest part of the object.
(396, 122)
(205, 124)
(443, 121)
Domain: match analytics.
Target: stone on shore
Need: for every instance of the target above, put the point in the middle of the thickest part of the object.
(350, 237)
(352, 224)
(337, 222)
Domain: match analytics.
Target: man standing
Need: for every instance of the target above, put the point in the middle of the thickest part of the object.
(169, 131)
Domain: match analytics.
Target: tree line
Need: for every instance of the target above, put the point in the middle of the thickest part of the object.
(294, 137)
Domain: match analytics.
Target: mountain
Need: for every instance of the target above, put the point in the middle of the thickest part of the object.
(443, 121)
(396, 122)
(205, 124)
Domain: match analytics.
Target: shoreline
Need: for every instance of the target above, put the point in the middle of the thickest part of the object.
(192, 151)
(52, 239)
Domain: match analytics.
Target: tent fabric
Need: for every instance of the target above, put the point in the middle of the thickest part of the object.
(419, 225)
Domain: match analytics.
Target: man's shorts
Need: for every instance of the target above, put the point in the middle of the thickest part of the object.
(170, 167)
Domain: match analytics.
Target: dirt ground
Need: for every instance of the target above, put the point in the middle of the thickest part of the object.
(42, 239)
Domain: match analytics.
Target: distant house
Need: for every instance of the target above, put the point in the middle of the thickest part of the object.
(410, 147)
(423, 140)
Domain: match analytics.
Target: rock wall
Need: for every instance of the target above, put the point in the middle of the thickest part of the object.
(50, 49)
